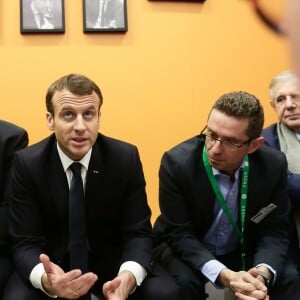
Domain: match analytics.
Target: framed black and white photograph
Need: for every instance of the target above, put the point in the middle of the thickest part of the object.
(104, 15)
(42, 16)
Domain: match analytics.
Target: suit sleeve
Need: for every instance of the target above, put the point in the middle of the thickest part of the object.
(14, 140)
(272, 233)
(179, 231)
(26, 226)
(136, 225)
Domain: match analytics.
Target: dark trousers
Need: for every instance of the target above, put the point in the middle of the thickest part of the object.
(192, 283)
(160, 286)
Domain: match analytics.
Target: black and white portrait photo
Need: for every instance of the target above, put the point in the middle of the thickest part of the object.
(105, 15)
(42, 15)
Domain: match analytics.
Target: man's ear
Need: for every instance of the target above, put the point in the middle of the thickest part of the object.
(272, 104)
(49, 121)
(255, 144)
(99, 116)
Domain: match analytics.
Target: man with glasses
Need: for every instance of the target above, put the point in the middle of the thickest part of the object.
(224, 206)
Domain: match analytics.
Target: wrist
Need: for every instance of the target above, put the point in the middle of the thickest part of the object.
(266, 276)
(225, 277)
(128, 280)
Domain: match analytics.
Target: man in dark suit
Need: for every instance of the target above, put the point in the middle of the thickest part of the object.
(284, 135)
(118, 228)
(12, 138)
(224, 206)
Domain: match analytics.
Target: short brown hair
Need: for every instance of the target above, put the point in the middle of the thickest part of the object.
(244, 106)
(76, 84)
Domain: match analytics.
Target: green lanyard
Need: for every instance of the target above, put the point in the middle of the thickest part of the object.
(220, 198)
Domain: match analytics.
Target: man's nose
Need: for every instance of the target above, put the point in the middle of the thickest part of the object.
(217, 146)
(290, 102)
(79, 123)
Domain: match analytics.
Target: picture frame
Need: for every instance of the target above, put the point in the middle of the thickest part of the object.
(42, 16)
(104, 16)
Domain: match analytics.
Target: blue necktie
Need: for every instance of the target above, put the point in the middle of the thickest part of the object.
(77, 223)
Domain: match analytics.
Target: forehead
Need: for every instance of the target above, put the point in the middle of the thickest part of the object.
(287, 86)
(227, 126)
(65, 98)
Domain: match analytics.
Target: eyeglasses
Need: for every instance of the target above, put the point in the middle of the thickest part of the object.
(227, 145)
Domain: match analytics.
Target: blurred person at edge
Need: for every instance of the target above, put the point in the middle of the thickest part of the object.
(12, 138)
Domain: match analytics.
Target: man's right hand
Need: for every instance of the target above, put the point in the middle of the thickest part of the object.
(70, 285)
(244, 285)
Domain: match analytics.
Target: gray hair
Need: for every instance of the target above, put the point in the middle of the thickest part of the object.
(278, 78)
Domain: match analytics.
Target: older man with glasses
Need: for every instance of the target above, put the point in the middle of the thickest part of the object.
(224, 206)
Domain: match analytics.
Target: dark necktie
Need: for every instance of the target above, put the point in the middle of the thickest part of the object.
(77, 221)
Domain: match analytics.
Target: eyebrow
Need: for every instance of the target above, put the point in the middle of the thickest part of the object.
(225, 138)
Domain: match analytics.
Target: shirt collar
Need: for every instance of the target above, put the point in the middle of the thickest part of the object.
(236, 174)
(67, 161)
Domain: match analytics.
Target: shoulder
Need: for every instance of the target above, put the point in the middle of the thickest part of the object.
(188, 146)
(39, 149)
(115, 153)
(112, 147)
(270, 135)
(10, 129)
(106, 142)
(268, 156)
(270, 129)
(186, 153)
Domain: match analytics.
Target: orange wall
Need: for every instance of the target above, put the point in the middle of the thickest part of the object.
(158, 80)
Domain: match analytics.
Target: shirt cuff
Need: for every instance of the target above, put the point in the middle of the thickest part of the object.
(211, 271)
(138, 271)
(274, 273)
(35, 278)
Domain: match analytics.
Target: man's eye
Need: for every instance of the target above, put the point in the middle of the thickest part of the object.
(280, 99)
(68, 115)
(89, 114)
(212, 135)
(230, 142)
(296, 97)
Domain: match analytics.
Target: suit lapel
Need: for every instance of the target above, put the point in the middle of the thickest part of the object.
(95, 173)
(59, 188)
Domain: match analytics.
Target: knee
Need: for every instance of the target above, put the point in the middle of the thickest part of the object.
(167, 293)
(17, 289)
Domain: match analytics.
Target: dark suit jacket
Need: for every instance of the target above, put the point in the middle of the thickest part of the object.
(118, 217)
(187, 205)
(12, 138)
(271, 139)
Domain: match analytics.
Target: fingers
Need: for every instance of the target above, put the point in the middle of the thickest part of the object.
(247, 291)
(250, 277)
(45, 260)
(247, 287)
(110, 286)
(241, 296)
(81, 285)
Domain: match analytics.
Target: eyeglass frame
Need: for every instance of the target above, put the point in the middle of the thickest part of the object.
(222, 142)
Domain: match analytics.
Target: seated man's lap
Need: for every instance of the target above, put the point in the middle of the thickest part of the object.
(191, 283)
(17, 289)
(6, 269)
(159, 285)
